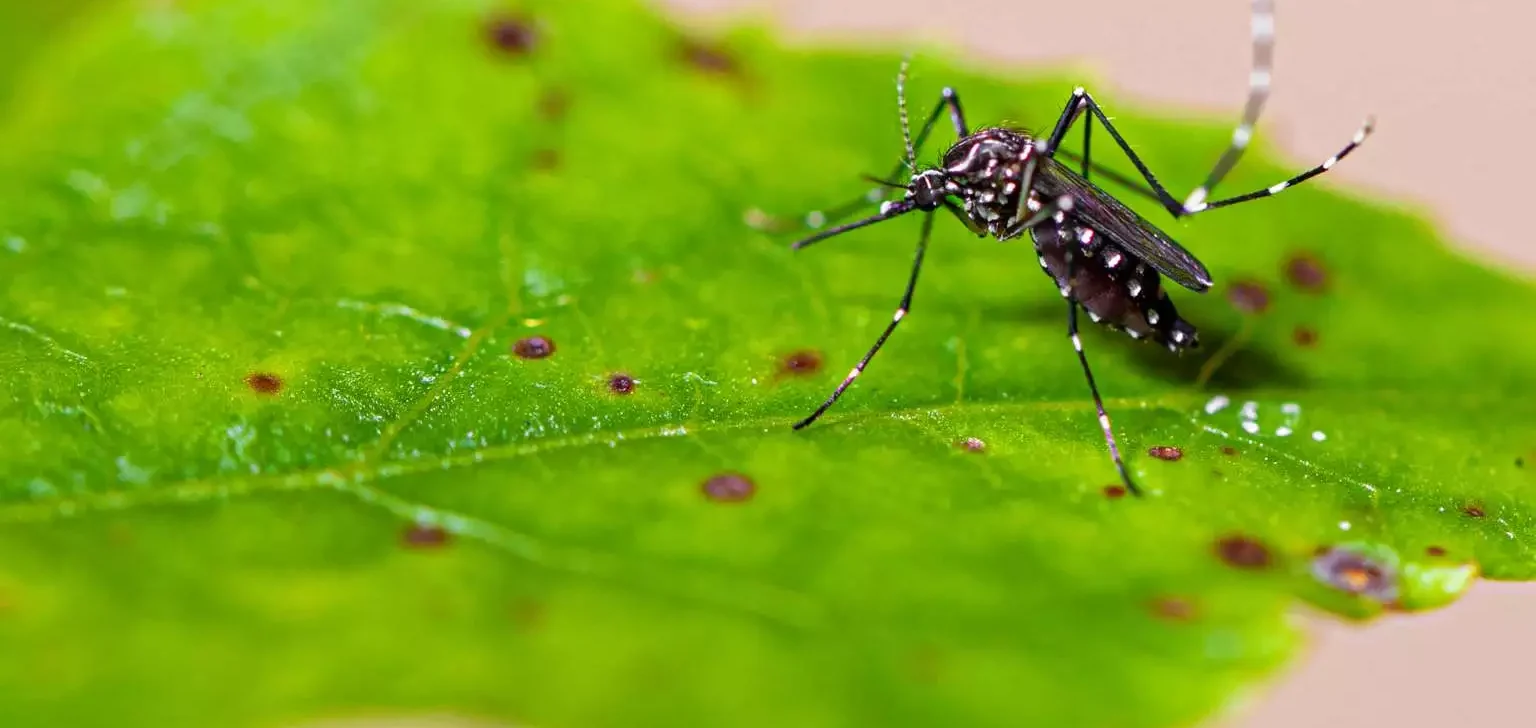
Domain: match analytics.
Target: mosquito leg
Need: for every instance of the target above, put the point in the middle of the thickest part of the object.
(1258, 91)
(1172, 205)
(949, 100)
(1087, 164)
(901, 313)
(1098, 401)
(965, 219)
(1263, 27)
(1277, 188)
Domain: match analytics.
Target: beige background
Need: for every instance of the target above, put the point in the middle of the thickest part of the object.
(1453, 86)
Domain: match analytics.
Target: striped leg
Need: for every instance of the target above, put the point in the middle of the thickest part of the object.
(901, 313)
(1258, 92)
(1098, 401)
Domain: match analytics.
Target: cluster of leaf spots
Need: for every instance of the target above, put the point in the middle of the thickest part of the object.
(280, 316)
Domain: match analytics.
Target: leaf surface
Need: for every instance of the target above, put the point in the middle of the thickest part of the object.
(276, 447)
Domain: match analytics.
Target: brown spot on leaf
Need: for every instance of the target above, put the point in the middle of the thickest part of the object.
(621, 383)
(1248, 296)
(1306, 272)
(973, 444)
(1166, 452)
(513, 35)
(1242, 551)
(544, 159)
(424, 536)
(533, 347)
(1304, 336)
(553, 104)
(1229, 451)
(1475, 510)
(527, 613)
(803, 362)
(1356, 573)
(729, 488)
(707, 57)
(1435, 551)
(1113, 492)
(264, 382)
(1173, 609)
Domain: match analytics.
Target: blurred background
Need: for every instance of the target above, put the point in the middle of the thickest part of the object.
(1453, 88)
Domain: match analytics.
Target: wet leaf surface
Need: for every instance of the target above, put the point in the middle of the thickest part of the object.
(287, 433)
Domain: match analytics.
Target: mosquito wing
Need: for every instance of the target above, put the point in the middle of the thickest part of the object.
(1110, 217)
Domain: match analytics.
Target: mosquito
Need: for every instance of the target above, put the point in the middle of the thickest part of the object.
(1103, 257)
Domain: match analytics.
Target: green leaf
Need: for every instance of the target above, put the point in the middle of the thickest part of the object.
(271, 452)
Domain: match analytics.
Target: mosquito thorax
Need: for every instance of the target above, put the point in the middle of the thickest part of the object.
(985, 170)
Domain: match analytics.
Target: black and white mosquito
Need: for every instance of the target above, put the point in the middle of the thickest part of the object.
(1103, 257)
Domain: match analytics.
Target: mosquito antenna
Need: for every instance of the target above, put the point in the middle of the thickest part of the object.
(1259, 77)
(901, 105)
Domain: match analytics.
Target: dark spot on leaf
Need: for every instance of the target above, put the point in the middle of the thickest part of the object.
(1114, 491)
(1248, 296)
(1173, 609)
(1356, 573)
(1304, 336)
(511, 34)
(973, 444)
(805, 361)
(1474, 510)
(729, 488)
(264, 382)
(424, 536)
(1435, 551)
(1519, 462)
(533, 347)
(708, 57)
(1166, 452)
(1242, 552)
(553, 104)
(544, 159)
(621, 383)
(527, 613)
(1229, 451)
(1306, 272)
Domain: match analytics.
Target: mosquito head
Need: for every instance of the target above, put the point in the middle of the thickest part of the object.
(928, 189)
